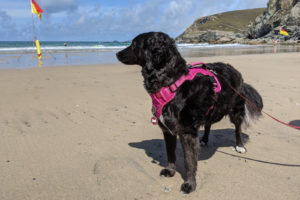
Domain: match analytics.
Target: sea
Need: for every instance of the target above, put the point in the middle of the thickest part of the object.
(22, 54)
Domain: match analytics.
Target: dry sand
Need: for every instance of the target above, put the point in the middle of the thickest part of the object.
(84, 133)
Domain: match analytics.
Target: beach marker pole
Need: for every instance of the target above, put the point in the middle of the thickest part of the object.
(36, 41)
(39, 53)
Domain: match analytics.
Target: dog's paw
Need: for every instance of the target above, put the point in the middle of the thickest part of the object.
(240, 149)
(188, 187)
(167, 172)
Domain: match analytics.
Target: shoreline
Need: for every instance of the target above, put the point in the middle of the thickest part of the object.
(29, 60)
(187, 58)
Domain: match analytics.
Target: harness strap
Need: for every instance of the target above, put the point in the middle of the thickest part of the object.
(166, 94)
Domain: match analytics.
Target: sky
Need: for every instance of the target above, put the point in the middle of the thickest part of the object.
(107, 20)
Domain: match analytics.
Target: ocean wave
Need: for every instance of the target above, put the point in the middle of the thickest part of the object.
(101, 47)
(207, 45)
(59, 49)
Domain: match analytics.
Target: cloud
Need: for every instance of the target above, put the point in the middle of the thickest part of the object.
(71, 20)
(56, 6)
(7, 25)
(252, 3)
(5, 20)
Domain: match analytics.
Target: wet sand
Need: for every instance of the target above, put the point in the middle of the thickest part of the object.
(84, 132)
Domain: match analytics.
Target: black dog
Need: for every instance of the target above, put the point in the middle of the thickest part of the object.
(162, 65)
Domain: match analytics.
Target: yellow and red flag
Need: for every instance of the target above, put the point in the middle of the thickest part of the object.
(283, 32)
(36, 9)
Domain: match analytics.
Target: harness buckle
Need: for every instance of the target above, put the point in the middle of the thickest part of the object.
(173, 87)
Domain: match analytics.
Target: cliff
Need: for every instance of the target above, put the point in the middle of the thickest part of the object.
(220, 28)
(248, 26)
(279, 14)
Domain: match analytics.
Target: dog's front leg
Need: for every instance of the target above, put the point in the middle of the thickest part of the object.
(170, 141)
(190, 144)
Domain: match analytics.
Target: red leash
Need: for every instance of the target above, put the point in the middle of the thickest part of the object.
(254, 105)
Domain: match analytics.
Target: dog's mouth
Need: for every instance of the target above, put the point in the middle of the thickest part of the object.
(127, 57)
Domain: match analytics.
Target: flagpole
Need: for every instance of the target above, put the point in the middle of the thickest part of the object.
(33, 27)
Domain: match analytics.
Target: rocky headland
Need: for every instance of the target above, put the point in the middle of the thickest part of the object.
(252, 26)
(280, 14)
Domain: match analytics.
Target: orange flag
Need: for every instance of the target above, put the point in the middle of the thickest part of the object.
(36, 9)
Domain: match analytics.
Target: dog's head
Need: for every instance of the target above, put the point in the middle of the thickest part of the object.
(161, 62)
(151, 50)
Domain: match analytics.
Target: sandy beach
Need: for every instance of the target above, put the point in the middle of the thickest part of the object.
(84, 133)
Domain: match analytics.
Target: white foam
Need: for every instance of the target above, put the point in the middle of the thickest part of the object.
(59, 48)
(206, 45)
(104, 47)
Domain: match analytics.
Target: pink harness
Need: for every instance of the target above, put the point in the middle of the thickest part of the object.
(166, 94)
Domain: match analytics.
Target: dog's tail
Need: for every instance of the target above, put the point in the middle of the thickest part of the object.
(252, 112)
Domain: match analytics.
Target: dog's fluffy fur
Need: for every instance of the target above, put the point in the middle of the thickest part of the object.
(162, 65)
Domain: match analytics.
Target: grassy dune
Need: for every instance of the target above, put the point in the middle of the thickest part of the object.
(235, 21)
